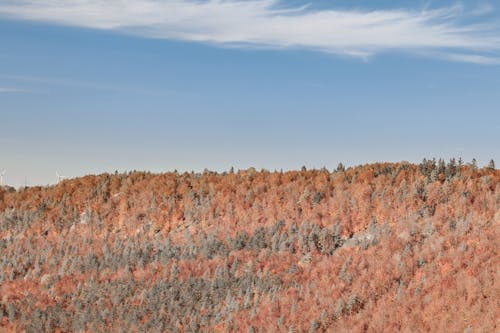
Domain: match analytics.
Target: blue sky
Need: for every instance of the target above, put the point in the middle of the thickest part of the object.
(92, 86)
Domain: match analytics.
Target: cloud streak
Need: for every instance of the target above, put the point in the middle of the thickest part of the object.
(9, 90)
(53, 81)
(444, 32)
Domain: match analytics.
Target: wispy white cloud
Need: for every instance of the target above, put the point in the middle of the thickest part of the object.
(65, 82)
(482, 9)
(473, 58)
(271, 24)
(9, 90)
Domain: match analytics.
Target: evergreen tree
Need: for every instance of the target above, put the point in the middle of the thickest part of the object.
(491, 165)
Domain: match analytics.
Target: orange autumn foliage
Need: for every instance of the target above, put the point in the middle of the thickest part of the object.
(375, 248)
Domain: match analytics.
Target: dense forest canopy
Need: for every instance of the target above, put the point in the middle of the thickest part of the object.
(380, 247)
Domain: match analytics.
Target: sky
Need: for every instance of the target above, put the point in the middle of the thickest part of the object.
(92, 86)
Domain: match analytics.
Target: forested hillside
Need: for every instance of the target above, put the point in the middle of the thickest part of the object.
(376, 248)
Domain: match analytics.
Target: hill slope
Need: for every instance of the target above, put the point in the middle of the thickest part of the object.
(381, 247)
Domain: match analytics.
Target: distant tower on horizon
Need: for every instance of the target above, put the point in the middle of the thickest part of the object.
(60, 177)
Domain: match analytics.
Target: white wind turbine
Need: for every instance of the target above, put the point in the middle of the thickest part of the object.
(2, 174)
(60, 177)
